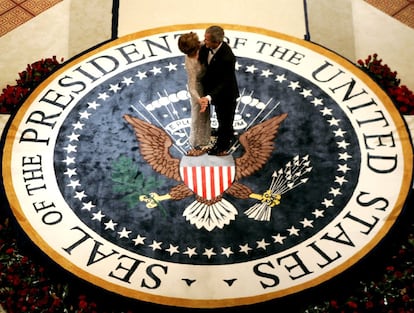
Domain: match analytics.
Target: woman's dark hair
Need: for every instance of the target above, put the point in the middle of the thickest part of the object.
(189, 43)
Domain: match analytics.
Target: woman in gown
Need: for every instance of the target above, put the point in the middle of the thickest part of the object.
(200, 130)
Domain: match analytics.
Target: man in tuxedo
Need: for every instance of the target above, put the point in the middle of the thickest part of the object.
(220, 85)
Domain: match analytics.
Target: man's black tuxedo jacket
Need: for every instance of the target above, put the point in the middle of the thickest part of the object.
(219, 80)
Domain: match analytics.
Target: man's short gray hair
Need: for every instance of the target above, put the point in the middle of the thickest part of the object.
(216, 33)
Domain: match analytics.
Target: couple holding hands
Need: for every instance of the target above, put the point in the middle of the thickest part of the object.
(212, 80)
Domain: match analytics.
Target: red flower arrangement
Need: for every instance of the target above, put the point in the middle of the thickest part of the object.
(26, 287)
(392, 292)
(402, 97)
(13, 97)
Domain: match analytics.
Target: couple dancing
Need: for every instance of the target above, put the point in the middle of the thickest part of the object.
(211, 81)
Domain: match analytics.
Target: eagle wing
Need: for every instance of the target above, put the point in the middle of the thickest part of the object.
(258, 143)
(154, 146)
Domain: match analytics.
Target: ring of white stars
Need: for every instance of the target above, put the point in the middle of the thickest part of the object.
(208, 252)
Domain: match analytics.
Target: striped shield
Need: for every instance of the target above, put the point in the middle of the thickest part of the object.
(207, 175)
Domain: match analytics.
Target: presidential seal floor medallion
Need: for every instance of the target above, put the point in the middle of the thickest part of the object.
(96, 171)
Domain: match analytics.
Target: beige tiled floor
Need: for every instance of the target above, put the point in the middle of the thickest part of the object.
(402, 10)
(14, 13)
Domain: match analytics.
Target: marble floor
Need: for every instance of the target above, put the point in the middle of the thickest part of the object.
(14, 13)
(402, 10)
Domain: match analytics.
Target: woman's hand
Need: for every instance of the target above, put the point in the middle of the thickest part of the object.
(203, 104)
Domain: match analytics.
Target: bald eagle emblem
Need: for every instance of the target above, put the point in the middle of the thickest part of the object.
(209, 177)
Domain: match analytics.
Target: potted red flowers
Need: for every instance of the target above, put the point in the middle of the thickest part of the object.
(402, 97)
(13, 96)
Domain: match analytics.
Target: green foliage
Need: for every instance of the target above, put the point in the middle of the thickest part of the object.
(130, 182)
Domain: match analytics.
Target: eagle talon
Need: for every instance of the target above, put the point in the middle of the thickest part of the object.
(150, 202)
(153, 199)
(268, 198)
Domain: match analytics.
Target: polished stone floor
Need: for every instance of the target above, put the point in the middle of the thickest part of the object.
(14, 13)
(402, 10)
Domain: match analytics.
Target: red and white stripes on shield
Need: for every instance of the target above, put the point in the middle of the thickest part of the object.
(208, 181)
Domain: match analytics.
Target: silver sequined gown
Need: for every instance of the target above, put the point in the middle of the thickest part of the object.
(200, 122)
